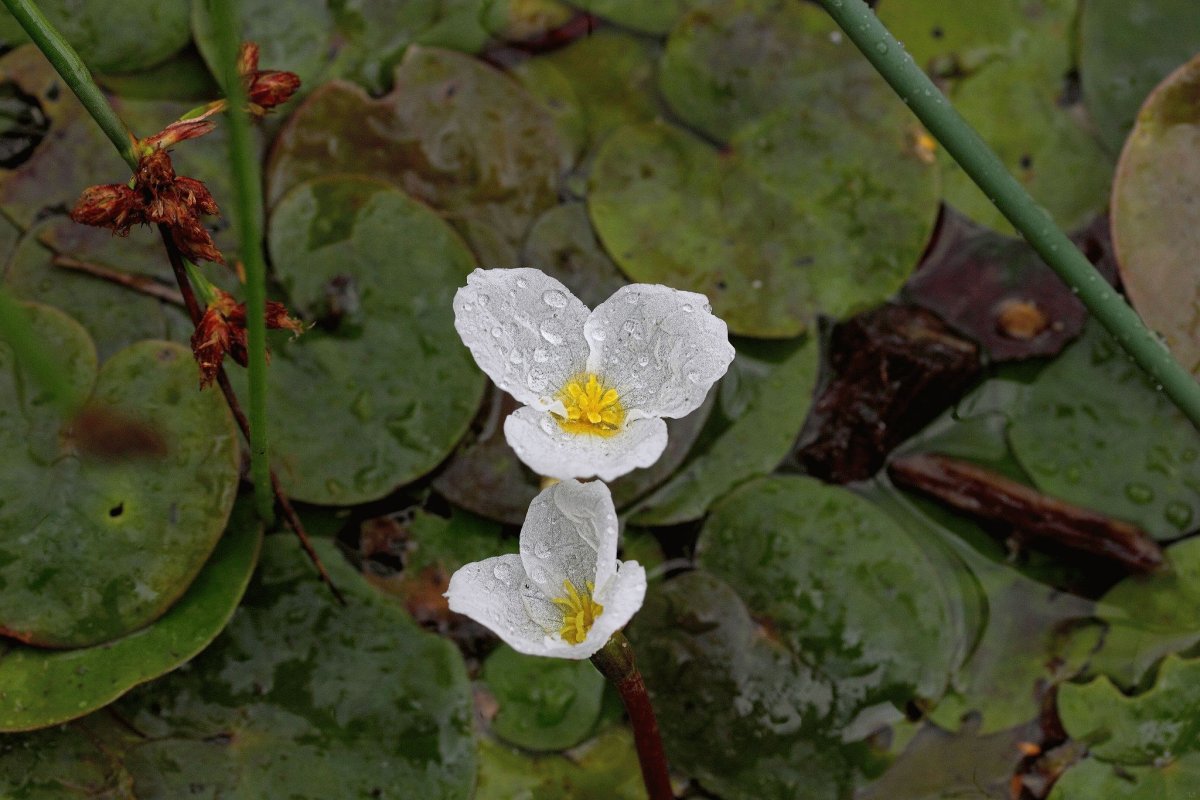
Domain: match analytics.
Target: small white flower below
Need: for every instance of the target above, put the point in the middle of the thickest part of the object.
(566, 593)
(597, 384)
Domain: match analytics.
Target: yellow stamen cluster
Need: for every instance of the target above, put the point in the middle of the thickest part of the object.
(591, 408)
(579, 612)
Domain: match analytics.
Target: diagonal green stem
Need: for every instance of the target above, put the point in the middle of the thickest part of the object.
(247, 203)
(985, 168)
(70, 66)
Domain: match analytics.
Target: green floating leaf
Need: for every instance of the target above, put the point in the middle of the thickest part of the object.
(739, 711)
(820, 204)
(1124, 53)
(938, 765)
(91, 550)
(361, 40)
(654, 18)
(1150, 616)
(1024, 636)
(1124, 451)
(1154, 208)
(455, 132)
(66, 762)
(760, 405)
(604, 768)
(790, 546)
(522, 20)
(45, 687)
(1009, 65)
(563, 245)
(1150, 728)
(1091, 779)
(113, 35)
(590, 103)
(299, 698)
(389, 379)
(544, 703)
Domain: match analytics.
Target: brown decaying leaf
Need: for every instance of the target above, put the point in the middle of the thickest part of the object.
(1034, 517)
(892, 370)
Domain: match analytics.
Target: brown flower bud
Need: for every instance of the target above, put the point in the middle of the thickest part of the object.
(278, 318)
(195, 242)
(222, 332)
(113, 206)
(196, 196)
(176, 132)
(270, 88)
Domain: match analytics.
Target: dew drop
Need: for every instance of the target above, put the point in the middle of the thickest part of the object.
(467, 307)
(1139, 493)
(547, 426)
(503, 572)
(554, 298)
(540, 355)
(483, 299)
(549, 333)
(1178, 514)
(497, 332)
(599, 335)
(686, 308)
(516, 357)
(694, 377)
(522, 283)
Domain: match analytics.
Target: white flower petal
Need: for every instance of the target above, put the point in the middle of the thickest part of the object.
(491, 593)
(570, 534)
(548, 450)
(660, 348)
(525, 330)
(621, 598)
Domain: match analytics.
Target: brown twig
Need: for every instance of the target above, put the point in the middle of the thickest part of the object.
(615, 662)
(281, 498)
(992, 497)
(143, 284)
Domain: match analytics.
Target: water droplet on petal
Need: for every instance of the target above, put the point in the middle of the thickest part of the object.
(599, 335)
(522, 283)
(554, 298)
(503, 572)
(686, 308)
(540, 355)
(497, 332)
(483, 299)
(551, 332)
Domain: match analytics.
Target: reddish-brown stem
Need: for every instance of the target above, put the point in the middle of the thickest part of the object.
(281, 498)
(143, 284)
(616, 663)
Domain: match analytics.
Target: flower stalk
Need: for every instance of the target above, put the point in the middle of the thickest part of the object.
(617, 664)
(247, 203)
(985, 168)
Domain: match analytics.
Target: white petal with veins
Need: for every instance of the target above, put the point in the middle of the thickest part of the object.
(570, 534)
(547, 449)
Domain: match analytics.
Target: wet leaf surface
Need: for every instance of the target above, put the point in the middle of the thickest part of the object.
(758, 409)
(998, 291)
(787, 545)
(1154, 208)
(813, 207)
(1148, 617)
(604, 768)
(92, 550)
(655, 18)
(1124, 51)
(1062, 435)
(545, 704)
(1011, 75)
(390, 380)
(46, 687)
(1090, 779)
(113, 35)
(453, 132)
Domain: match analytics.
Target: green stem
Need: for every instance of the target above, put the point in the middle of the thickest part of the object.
(33, 356)
(247, 202)
(985, 168)
(70, 66)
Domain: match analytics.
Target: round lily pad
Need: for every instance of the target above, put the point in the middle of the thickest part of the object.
(1125, 451)
(522, 20)
(362, 40)
(40, 687)
(603, 768)
(759, 407)
(1154, 209)
(1123, 54)
(1090, 779)
(1009, 68)
(386, 375)
(738, 710)
(113, 35)
(544, 703)
(454, 132)
(655, 18)
(809, 211)
(789, 546)
(92, 550)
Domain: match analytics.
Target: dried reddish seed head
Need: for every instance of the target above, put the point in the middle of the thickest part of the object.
(114, 206)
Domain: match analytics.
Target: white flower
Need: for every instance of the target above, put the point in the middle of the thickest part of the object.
(566, 593)
(597, 384)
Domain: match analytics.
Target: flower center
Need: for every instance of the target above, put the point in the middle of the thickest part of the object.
(579, 612)
(591, 408)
